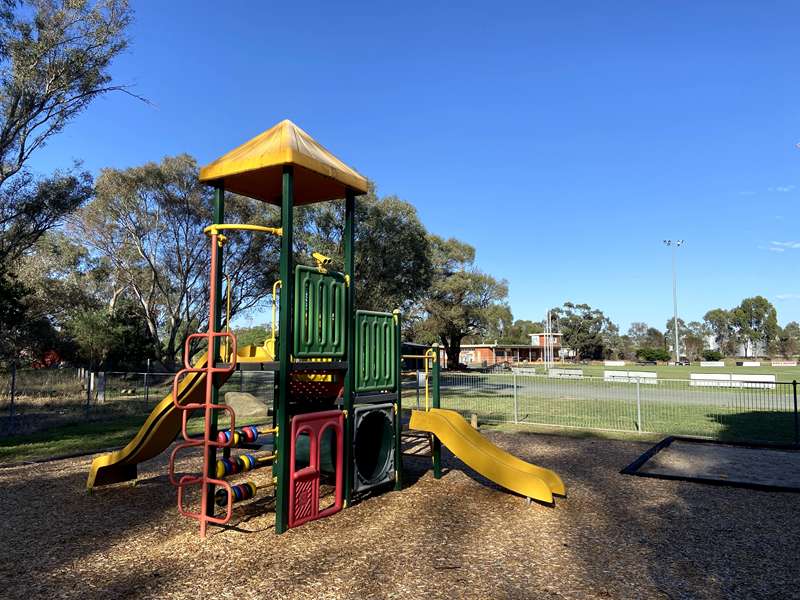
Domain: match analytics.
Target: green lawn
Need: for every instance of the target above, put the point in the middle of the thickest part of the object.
(87, 438)
(668, 372)
(722, 420)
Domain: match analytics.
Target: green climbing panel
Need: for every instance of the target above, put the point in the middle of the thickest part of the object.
(376, 351)
(319, 314)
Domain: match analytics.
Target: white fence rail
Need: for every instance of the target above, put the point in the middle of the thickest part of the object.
(751, 410)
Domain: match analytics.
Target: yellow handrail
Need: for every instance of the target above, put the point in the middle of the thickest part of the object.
(428, 357)
(217, 227)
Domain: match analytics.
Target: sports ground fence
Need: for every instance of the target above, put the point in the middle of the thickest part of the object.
(36, 400)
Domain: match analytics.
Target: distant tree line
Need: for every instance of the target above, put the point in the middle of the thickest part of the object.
(750, 327)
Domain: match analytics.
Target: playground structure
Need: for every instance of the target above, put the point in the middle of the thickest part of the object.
(337, 403)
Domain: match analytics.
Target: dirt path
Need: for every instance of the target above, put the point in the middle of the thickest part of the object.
(614, 537)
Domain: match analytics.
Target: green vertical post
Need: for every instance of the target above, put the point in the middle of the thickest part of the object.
(283, 438)
(218, 217)
(398, 417)
(350, 312)
(436, 446)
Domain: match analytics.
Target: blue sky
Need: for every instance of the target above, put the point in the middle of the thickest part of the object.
(563, 140)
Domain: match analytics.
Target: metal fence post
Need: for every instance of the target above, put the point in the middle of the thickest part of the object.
(417, 384)
(14, 391)
(796, 421)
(88, 390)
(147, 384)
(516, 403)
(638, 405)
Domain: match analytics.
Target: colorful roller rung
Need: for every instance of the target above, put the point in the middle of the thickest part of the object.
(237, 464)
(245, 435)
(242, 491)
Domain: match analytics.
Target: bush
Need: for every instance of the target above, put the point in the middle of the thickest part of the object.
(712, 355)
(650, 354)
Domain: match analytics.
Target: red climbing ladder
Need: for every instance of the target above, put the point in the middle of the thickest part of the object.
(205, 479)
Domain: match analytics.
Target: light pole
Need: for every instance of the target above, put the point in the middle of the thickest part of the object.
(674, 244)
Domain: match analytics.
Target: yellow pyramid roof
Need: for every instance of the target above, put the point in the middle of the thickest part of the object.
(254, 168)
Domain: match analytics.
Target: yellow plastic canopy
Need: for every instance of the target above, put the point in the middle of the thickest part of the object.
(254, 168)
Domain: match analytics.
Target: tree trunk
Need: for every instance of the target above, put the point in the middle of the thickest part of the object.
(452, 348)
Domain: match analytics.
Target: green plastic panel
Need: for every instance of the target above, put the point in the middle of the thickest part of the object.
(319, 314)
(376, 352)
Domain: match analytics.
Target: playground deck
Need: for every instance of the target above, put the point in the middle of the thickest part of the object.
(615, 537)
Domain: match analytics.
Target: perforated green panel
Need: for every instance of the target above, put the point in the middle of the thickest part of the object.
(376, 351)
(319, 314)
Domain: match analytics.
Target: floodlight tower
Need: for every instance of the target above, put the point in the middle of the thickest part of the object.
(674, 244)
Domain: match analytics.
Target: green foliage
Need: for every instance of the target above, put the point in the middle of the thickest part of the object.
(788, 340)
(147, 224)
(720, 323)
(110, 340)
(756, 321)
(585, 329)
(643, 336)
(55, 59)
(252, 336)
(712, 355)
(462, 301)
(393, 266)
(652, 354)
(518, 332)
(24, 334)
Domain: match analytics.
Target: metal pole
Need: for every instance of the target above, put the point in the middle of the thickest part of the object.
(516, 406)
(14, 391)
(675, 306)
(215, 318)
(675, 244)
(350, 324)
(88, 391)
(796, 421)
(417, 384)
(283, 441)
(436, 446)
(147, 384)
(638, 405)
(398, 417)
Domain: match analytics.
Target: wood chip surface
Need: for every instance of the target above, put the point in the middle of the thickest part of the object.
(614, 536)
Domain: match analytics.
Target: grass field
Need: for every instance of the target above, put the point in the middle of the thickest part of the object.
(671, 407)
(707, 420)
(677, 372)
(79, 438)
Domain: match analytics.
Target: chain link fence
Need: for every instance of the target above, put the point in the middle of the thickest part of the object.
(753, 411)
(33, 400)
(36, 400)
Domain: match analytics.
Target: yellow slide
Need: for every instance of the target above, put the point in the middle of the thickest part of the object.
(158, 432)
(255, 354)
(487, 459)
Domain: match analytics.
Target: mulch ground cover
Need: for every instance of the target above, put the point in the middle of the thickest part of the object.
(614, 536)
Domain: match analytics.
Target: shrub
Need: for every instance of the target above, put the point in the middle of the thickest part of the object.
(652, 354)
(712, 355)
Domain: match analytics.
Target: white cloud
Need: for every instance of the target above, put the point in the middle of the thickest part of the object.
(792, 245)
(788, 296)
(774, 249)
(782, 188)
